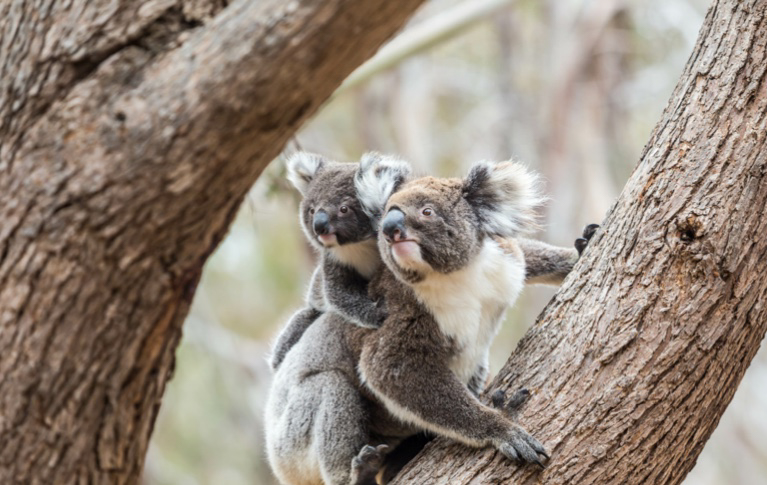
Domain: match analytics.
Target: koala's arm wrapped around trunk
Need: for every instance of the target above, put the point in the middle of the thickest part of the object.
(346, 293)
(413, 381)
(549, 265)
(546, 264)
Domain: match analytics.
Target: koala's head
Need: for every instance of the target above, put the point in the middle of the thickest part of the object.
(330, 212)
(439, 225)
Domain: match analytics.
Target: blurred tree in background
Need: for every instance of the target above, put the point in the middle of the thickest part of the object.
(571, 88)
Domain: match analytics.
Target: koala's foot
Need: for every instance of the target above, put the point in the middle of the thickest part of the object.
(588, 233)
(521, 447)
(367, 463)
(518, 399)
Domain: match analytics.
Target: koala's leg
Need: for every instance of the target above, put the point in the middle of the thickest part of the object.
(291, 333)
(432, 397)
(341, 429)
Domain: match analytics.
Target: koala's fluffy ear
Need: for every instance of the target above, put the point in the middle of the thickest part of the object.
(302, 167)
(504, 196)
(377, 177)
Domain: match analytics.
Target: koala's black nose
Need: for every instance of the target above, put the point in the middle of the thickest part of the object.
(393, 225)
(321, 223)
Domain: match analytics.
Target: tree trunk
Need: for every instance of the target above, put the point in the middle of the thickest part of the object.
(636, 358)
(129, 135)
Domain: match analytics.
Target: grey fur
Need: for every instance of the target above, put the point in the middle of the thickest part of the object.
(345, 387)
(546, 264)
(340, 282)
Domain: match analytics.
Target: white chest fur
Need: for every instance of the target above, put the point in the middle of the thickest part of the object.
(469, 304)
(362, 256)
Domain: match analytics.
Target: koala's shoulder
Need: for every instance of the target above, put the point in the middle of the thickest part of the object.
(510, 246)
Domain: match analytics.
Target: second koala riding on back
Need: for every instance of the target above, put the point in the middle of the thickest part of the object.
(336, 224)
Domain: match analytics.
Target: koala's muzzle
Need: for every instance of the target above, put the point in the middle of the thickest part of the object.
(393, 226)
(321, 223)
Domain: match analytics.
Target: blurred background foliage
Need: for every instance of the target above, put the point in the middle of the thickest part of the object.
(573, 88)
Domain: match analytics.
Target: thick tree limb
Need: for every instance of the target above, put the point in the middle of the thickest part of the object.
(636, 358)
(129, 134)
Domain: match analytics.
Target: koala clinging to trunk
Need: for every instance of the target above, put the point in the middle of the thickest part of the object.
(335, 223)
(452, 268)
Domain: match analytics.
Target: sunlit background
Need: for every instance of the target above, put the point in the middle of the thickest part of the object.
(573, 88)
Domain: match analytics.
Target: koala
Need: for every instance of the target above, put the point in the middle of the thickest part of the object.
(336, 224)
(348, 394)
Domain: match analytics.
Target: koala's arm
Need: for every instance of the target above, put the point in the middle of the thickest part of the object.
(291, 334)
(299, 322)
(420, 389)
(546, 264)
(346, 293)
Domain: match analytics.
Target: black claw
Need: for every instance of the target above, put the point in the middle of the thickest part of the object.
(540, 450)
(588, 233)
(589, 230)
(580, 245)
(518, 399)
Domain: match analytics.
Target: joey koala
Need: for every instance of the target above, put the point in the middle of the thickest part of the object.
(453, 266)
(335, 223)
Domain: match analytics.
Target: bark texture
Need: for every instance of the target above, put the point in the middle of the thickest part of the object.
(129, 134)
(636, 358)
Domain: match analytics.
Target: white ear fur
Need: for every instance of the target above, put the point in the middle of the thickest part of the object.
(504, 196)
(378, 176)
(302, 167)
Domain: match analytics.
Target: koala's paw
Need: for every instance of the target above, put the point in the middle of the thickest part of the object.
(521, 447)
(367, 463)
(588, 233)
(518, 399)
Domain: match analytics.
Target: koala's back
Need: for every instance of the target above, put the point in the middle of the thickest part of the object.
(316, 383)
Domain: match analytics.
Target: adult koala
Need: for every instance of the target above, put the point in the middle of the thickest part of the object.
(453, 266)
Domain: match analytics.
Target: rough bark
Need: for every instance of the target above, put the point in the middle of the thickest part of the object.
(636, 358)
(129, 134)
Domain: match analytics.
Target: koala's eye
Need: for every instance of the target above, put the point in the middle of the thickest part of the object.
(343, 209)
(311, 210)
(428, 212)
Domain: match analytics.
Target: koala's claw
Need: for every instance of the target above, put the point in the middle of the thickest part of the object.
(520, 446)
(518, 399)
(498, 398)
(369, 460)
(516, 402)
(589, 230)
(523, 448)
(588, 233)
